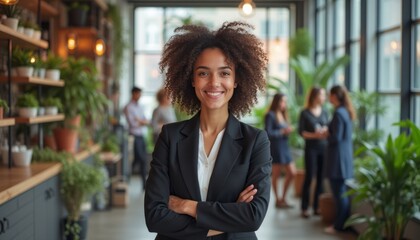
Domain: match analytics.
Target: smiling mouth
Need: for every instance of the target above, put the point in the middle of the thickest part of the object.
(214, 94)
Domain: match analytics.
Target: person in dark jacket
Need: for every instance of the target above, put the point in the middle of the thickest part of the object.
(339, 160)
(210, 175)
(313, 123)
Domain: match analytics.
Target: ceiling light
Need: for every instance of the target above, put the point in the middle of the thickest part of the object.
(247, 8)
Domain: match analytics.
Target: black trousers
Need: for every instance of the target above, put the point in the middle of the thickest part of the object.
(140, 157)
(314, 159)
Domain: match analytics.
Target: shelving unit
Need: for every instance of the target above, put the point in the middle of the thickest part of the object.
(40, 119)
(34, 80)
(5, 122)
(21, 39)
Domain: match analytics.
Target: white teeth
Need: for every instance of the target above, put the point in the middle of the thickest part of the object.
(213, 93)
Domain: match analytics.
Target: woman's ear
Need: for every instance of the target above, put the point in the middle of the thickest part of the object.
(236, 84)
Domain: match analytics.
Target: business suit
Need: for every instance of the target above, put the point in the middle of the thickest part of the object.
(243, 159)
(279, 147)
(339, 162)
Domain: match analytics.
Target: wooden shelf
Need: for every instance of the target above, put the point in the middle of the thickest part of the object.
(34, 80)
(40, 119)
(47, 10)
(80, 156)
(21, 39)
(7, 122)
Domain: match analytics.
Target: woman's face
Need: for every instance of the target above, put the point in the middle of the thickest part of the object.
(321, 97)
(283, 103)
(333, 99)
(213, 80)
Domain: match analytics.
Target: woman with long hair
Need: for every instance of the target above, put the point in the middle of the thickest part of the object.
(278, 130)
(313, 123)
(339, 160)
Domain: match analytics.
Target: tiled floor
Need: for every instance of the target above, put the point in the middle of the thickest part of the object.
(128, 223)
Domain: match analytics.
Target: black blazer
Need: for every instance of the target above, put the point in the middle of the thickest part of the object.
(339, 159)
(243, 159)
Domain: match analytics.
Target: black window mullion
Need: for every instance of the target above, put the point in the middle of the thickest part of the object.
(406, 57)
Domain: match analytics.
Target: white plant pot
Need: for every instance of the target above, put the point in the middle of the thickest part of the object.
(52, 74)
(11, 23)
(28, 32)
(27, 112)
(20, 29)
(22, 158)
(41, 111)
(51, 110)
(40, 73)
(25, 71)
(36, 35)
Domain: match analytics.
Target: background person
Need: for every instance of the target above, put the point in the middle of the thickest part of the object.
(339, 160)
(313, 123)
(137, 126)
(278, 130)
(210, 175)
(163, 114)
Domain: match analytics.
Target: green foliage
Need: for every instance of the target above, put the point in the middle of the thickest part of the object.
(78, 5)
(118, 42)
(367, 106)
(52, 102)
(49, 155)
(27, 100)
(11, 11)
(3, 104)
(110, 144)
(390, 183)
(21, 57)
(81, 93)
(53, 61)
(78, 182)
(300, 44)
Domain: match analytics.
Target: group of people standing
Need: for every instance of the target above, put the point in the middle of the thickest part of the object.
(328, 149)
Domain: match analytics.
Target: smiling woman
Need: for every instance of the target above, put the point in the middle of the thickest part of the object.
(210, 175)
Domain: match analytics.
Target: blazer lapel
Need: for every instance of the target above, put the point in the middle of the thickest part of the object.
(228, 154)
(188, 156)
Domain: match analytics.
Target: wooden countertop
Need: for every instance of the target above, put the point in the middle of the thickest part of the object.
(16, 180)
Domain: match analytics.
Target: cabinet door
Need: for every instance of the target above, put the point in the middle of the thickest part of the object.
(47, 212)
(16, 217)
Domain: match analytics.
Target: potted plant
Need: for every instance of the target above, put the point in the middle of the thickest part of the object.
(39, 66)
(4, 108)
(12, 12)
(77, 14)
(390, 184)
(81, 98)
(27, 104)
(52, 105)
(79, 181)
(22, 62)
(53, 66)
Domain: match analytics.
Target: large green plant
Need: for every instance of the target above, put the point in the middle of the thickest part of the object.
(81, 93)
(390, 184)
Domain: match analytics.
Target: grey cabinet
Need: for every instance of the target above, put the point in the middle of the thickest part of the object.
(17, 218)
(47, 210)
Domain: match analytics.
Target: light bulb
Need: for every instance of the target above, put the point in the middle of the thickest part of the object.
(247, 8)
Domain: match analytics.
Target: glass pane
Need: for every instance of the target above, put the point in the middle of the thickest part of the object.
(339, 76)
(278, 43)
(415, 110)
(147, 75)
(320, 31)
(392, 115)
(417, 9)
(389, 61)
(389, 13)
(355, 19)
(416, 81)
(330, 26)
(148, 32)
(320, 3)
(320, 57)
(355, 66)
(339, 22)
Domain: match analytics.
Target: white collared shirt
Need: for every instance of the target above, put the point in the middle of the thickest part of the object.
(206, 163)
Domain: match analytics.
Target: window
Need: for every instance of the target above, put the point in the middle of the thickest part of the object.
(355, 66)
(339, 22)
(390, 13)
(320, 31)
(389, 61)
(416, 82)
(355, 19)
(391, 115)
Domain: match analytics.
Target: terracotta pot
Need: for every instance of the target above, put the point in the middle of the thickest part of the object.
(327, 207)
(49, 141)
(298, 182)
(66, 139)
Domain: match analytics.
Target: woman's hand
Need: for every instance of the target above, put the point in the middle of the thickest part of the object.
(247, 194)
(182, 206)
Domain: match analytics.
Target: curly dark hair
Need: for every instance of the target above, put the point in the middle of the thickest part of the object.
(241, 48)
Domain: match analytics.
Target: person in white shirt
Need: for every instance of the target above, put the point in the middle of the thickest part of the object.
(210, 175)
(137, 124)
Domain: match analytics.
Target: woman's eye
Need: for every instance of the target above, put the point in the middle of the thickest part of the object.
(202, 74)
(225, 74)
